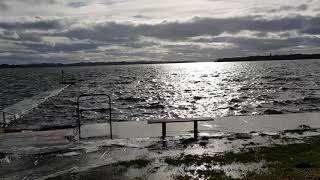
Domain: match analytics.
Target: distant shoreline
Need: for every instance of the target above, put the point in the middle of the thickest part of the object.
(271, 58)
(233, 59)
(2, 66)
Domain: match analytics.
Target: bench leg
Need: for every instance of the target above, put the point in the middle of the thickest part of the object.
(4, 119)
(164, 130)
(195, 130)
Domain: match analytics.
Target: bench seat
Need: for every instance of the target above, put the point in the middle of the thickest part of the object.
(194, 120)
(154, 121)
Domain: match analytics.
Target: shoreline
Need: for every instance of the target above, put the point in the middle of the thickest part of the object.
(289, 57)
(271, 58)
(179, 156)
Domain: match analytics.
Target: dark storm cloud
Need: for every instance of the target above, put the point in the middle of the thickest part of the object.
(272, 44)
(9, 35)
(77, 4)
(209, 26)
(140, 16)
(111, 32)
(59, 47)
(28, 58)
(3, 6)
(116, 32)
(89, 37)
(6, 5)
(20, 37)
(312, 30)
(110, 2)
(263, 44)
(36, 2)
(301, 7)
(126, 34)
(38, 24)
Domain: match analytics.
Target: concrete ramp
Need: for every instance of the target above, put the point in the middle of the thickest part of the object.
(233, 124)
(23, 107)
(220, 126)
(133, 129)
(40, 141)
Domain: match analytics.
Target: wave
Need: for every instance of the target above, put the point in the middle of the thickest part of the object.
(132, 99)
(305, 100)
(292, 78)
(154, 105)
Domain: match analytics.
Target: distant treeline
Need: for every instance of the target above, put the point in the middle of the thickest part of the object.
(234, 59)
(86, 64)
(271, 57)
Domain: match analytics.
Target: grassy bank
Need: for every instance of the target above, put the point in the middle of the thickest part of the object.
(291, 161)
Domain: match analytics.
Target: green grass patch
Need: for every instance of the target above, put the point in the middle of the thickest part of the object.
(291, 161)
(213, 174)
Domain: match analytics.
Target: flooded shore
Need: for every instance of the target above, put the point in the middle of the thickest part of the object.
(254, 115)
(137, 153)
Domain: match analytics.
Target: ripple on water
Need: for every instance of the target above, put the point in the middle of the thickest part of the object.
(157, 90)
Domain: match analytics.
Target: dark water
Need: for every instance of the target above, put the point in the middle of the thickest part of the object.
(17, 84)
(171, 90)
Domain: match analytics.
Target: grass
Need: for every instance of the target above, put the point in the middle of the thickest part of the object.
(138, 163)
(287, 161)
(213, 174)
(291, 161)
(188, 141)
(113, 171)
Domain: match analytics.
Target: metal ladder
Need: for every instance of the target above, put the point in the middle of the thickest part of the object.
(4, 116)
(79, 111)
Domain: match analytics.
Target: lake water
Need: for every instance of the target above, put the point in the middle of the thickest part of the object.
(141, 92)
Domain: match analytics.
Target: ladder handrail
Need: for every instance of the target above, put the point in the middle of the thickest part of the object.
(4, 117)
(79, 110)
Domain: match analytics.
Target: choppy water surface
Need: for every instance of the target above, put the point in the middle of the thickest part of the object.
(173, 90)
(17, 84)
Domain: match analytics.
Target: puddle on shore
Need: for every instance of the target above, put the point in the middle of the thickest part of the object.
(99, 156)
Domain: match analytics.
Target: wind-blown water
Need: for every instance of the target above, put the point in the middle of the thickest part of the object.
(171, 90)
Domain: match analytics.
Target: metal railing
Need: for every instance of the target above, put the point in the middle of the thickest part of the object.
(5, 123)
(79, 111)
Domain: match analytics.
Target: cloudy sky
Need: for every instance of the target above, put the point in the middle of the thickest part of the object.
(67, 31)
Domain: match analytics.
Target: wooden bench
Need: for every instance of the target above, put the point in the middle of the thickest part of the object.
(165, 121)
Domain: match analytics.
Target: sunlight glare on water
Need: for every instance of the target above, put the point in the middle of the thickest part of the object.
(209, 89)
